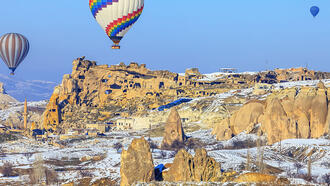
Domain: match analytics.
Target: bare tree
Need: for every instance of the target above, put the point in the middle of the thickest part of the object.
(163, 154)
(309, 166)
(248, 160)
(190, 145)
(152, 145)
(298, 166)
(86, 173)
(177, 145)
(260, 159)
(51, 176)
(38, 172)
(28, 155)
(279, 159)
(2, 153)
(7, 169)
(326, 178)
(118, 146)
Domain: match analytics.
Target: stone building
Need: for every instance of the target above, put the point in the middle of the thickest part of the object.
(124, 124)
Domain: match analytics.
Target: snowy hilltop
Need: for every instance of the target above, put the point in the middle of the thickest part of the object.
(33, 90)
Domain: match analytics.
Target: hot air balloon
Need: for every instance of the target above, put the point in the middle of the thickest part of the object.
(116, 17)
(315, 10)
(13, 49)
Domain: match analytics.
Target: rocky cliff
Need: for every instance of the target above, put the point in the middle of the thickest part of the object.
(98, 93)
(289, 113)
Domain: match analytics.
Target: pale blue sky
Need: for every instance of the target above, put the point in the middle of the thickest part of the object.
(250, 35)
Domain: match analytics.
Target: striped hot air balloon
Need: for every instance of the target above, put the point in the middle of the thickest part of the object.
(13, 49)
(116, 17)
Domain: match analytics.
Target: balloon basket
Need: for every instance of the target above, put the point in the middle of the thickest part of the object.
(12, 73)
(115, 47)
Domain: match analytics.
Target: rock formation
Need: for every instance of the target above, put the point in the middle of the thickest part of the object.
(5, 99)
(136, 163)
(173, 130)
(121, 90)
(290, 113)
(2, 89)
(261, 178)
(187, 168)
(248, 114)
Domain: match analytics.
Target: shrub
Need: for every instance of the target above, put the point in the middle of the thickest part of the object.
(298, 166)
(192, 144)
(172, 154)
(326, 178)
(163, 154)
(177, 145)
(7, 137)
(7, 169)
(326, 164)
(245, 144)
(153, 145)
(85, 174)
(218, 146)
(28, 155)
(51, 176)
(38, 172)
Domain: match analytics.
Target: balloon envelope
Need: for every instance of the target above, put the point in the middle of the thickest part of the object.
(315, 10)
(116, 17)
(13, 49)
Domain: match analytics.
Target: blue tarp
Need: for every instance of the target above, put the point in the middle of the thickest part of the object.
(174, 103)
(160, 167)
(38, 132)
(158, 172)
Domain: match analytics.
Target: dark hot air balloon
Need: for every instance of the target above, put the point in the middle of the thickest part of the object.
(116, 17)
(13, 49)
(315, 10)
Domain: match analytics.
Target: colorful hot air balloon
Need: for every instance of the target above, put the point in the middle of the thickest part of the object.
(13, 49)
(116, 17)
(315, 10)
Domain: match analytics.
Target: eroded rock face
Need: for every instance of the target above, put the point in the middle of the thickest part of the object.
(275, 122)
(195, 169)
(136, 163)
(260, 178)
(173, 130)
(222, 130)
(130, 90)
(248, 114)
(290, 113)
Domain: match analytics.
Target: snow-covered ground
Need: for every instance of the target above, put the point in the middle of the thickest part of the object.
(231, 158)
(311, 83)
(217, 75)
(19, 107)
(109, 166)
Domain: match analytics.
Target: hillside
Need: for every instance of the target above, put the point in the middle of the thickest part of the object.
(33, 90)
(126, 90)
